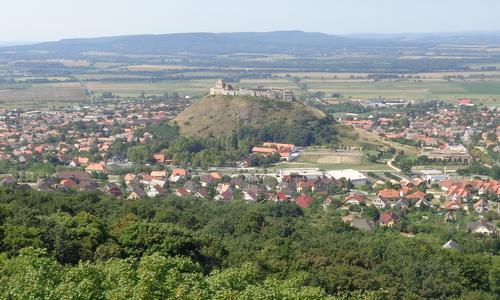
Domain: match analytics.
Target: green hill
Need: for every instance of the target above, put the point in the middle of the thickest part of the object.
(222, 115)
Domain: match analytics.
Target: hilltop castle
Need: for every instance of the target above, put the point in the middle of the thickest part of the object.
(221, 88)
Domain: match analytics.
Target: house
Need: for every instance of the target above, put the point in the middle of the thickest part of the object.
(158, 174)
(458, 192)
(416, 196)
(96, 167)
(113, 190)
(354, 199)
(67, 184)
(79, 161)
(88, 185)
(451, 244)
(422, 203)
(249, 196)
(45, 184)
(304, 201)
(453, 205)
(159, 182)
(137, 193)
(155, 190)
(363, 224)
(449, 217)
(388, 219)
(482, 227)
(77, 176)
(481, 206)
(201, 193)
(465, 102)
(228, 195)
(281, 196)
(206, 180)
(379, 203)
(177, 174)
(222, 187)
(401, 204)
(159, 157)
(191, 186)
(215, 175)
(181, 192)
(128, 177)
(389, 195)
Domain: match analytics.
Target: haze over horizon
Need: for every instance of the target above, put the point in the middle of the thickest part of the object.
(57, 19)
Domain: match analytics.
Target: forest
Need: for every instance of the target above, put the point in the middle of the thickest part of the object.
(88, 246)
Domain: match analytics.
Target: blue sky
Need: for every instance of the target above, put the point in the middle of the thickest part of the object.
(40, 20)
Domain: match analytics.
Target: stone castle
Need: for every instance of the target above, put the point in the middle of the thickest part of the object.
(221, 88)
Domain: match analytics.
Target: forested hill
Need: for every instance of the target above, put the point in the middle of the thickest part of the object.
(88, 246)
(206, 43)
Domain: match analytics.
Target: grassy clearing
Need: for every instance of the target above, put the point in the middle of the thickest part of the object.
(354, 137)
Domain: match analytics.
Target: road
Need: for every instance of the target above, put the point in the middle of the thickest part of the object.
(389, 163)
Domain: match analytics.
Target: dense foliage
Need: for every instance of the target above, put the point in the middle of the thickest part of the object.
(87, 246)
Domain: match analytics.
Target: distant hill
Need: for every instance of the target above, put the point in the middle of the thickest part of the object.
(221, 115)
(204, 43)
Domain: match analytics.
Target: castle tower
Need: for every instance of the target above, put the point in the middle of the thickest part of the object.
(220, 84)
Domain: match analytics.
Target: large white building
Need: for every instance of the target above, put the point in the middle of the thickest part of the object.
(221, 88)
(356, 177)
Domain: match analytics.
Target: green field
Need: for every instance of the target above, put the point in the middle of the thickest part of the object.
(134, 89)
(332, 160)
(417, 90)
(41, 95)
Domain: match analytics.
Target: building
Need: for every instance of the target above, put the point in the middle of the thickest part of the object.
(356, 177)
(432, 176)
(451, 244)
(482, 227)
(222, 88)
(455, 153)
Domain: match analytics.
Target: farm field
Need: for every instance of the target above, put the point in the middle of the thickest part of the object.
(417, 90)
(41, 95)
(133, 89)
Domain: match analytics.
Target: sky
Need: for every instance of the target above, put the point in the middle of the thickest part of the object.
(46, 20)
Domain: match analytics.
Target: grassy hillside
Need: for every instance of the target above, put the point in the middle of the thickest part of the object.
(354, 137)
(221, 115)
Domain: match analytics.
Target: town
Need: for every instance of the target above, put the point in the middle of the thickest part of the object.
(82, 149)
(330, 150)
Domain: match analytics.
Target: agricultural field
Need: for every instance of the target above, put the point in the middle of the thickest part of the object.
(487, 90)
(41, 95)
(134, 89)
